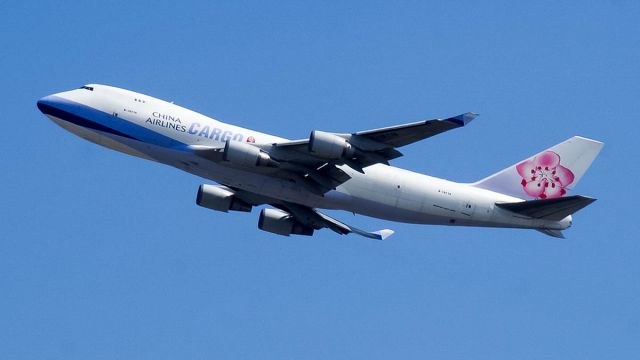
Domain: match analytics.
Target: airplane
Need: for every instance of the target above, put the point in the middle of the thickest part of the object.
(344, 171)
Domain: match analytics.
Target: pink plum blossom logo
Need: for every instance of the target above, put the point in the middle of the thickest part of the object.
(543, 177)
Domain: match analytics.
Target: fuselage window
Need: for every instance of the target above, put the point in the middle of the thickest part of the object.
(87, 88)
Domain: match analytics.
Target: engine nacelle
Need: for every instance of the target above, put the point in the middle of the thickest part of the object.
(281, 223)
(329, 146)
(220, 198)
(244, 154)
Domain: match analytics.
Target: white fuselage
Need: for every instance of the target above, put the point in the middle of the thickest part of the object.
(157, 130)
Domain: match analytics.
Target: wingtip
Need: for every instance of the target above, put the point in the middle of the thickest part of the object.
(384, 234)
(464, 119)
(589, 200)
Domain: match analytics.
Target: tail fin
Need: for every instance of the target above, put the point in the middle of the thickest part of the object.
(546, 175)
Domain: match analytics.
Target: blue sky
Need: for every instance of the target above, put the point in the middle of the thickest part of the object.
(106, 256)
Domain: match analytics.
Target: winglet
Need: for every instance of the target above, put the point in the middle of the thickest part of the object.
(384, 234)
(463, 119)
(377, 235)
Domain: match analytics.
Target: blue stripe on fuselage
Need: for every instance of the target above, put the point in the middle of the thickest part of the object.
(88, 117)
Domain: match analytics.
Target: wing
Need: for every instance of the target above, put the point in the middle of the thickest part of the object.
(364, 148)
(314, 163)
(317, 220)
(308, 218)
(401, 135)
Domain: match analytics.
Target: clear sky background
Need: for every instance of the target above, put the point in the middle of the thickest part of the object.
(105, 256)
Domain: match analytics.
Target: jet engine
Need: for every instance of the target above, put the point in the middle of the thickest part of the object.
(281, 223)
(329, 146)
(244, 154)
(220, 198)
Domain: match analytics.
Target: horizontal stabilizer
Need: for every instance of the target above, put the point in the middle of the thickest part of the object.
(550, 209)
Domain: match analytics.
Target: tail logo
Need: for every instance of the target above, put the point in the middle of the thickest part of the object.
(543, 177)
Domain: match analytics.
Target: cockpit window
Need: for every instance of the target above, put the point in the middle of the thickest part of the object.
(87, 88)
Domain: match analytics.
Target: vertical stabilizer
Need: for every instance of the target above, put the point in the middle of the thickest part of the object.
(548, 174)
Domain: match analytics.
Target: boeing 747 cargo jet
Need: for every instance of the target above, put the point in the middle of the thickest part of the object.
(345, 171)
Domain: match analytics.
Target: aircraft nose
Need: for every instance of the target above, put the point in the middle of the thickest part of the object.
(47, 104)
